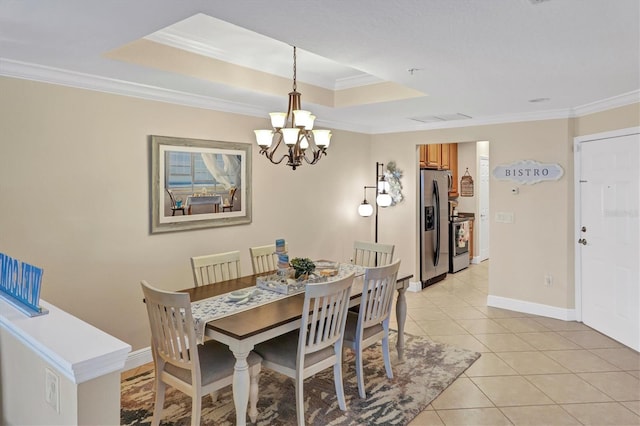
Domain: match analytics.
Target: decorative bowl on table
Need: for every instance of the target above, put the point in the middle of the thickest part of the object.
(326, 268)
(237, 295)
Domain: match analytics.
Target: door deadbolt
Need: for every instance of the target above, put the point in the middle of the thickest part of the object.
(584, 229)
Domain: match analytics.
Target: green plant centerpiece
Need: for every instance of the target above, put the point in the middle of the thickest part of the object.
(303, 266)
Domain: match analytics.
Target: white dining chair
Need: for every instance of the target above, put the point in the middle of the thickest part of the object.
(264, 258)
(372, 254)
(318, 344)
(214, 268)
(371, 324)
(180, 362)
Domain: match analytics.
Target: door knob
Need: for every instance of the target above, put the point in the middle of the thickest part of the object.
(582, 241)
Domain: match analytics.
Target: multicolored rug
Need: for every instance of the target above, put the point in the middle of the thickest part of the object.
(427, 370)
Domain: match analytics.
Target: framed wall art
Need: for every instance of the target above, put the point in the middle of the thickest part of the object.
(199, 184)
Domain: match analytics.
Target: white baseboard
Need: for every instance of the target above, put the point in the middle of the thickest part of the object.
(415, 286)
(532, 308)
(475, 260)
(137, 358)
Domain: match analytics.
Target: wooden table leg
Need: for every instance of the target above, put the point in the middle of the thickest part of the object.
(241, 384)
(401, 316)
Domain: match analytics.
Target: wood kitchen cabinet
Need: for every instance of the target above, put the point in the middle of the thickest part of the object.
(445, 156)
(471, 239)
(442, 157)
(430, 156)
(452, 150)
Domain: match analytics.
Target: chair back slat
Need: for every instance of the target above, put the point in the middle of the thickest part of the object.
(214, 268)
(172, 331)
(327, 304)
(372, 254)
(264, 258)
(377, 294)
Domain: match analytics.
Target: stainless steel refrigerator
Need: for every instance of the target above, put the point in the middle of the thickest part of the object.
(434, 226)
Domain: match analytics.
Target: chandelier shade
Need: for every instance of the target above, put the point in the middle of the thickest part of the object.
(294, 130)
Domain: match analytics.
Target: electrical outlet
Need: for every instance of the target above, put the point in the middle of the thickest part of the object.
(52, 389)
(548, 280)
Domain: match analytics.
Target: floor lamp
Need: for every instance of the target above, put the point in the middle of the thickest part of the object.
(383, 199)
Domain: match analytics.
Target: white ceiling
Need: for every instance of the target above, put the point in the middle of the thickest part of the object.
(486, 59)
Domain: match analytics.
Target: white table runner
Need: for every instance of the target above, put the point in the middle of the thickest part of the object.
(217, 307)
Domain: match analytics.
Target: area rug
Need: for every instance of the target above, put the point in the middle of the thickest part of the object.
(427, 369)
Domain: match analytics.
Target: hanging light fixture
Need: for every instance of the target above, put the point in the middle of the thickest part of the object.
(294, 129)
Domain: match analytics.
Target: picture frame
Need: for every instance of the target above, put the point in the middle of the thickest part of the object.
(197, 184)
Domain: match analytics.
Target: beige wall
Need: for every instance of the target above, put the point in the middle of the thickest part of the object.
(74, 180)
(613, 119)
(540, 241)
(467, 159)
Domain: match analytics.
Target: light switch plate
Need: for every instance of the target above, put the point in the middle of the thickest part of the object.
(505, 217)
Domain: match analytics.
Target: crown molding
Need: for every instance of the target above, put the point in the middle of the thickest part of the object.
(174, 38)
(45, 74)
(360, 80)
(590, 108)
(609, 103)
(482, 121)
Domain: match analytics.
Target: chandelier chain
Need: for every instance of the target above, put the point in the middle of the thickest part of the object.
(295, 85)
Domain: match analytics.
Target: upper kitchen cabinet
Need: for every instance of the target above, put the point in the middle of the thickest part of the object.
(442, 157)
(439, 156)
(430, 156)
(445, 156)
(453, 166)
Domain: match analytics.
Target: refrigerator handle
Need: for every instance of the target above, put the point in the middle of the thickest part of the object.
(436, 251)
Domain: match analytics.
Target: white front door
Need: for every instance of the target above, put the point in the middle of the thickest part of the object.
(483, 207)
(608, 252)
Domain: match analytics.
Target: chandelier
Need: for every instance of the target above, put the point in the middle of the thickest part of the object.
(294, 130)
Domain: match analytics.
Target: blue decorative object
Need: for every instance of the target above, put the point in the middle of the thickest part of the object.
(20, 285)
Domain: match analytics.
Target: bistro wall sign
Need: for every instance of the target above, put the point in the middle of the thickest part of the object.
(528, 172)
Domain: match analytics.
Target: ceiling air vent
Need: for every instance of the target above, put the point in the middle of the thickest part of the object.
(440, 117)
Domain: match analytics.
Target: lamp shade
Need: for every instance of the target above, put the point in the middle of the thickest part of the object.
(309, 125)
(301, 118)
(365, 209)
(264, 137)
(290, 135)
(278, 119)
(322, 137)
(383, 199)
(304, 143)
(383, 185)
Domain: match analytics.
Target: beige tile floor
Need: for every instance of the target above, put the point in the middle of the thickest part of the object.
(533, 370)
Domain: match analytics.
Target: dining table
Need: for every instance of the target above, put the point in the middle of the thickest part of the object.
(245, 327)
